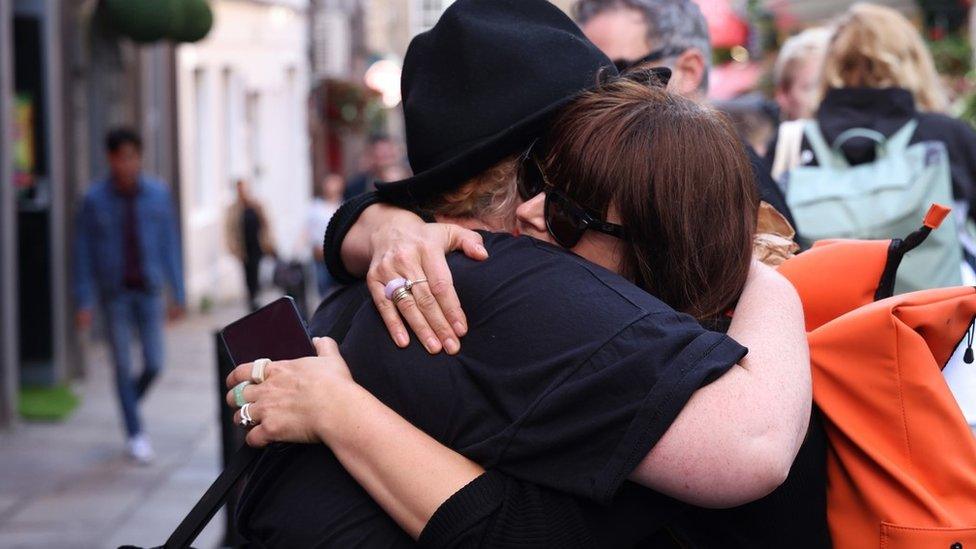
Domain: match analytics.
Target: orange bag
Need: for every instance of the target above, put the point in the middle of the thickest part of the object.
(901, 463)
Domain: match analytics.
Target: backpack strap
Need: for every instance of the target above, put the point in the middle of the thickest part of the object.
(845, 136)
(789, 141)
(899, 247)
(898, 142)
(821, 150)
(245, 458)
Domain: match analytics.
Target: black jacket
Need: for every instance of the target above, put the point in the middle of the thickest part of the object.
(887, 111)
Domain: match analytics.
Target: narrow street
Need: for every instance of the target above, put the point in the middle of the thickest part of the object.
(71, 485)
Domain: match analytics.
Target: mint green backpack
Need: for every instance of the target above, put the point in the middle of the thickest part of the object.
(882, 199)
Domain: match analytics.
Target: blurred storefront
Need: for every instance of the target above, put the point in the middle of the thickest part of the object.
(242, 95)
(34, 199)
(65, 78)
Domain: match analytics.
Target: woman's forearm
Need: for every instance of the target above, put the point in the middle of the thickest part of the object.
(357, 246)
(737, 437)
(408, 473)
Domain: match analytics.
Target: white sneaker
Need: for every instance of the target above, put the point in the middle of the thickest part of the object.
(141, 450)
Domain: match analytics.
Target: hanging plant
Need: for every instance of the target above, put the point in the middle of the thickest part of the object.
(147, 21)
(351, 105)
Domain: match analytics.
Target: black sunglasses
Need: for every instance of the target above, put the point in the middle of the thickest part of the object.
(566, 220)
(656, 55)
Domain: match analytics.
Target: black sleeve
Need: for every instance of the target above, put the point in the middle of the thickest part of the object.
(339, 226)
(589, 433)
(343, 220)
(496, 510)
(769, 191)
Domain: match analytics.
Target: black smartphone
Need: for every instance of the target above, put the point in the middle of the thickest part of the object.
(275, 331)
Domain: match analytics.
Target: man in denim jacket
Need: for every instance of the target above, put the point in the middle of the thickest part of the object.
(126, 249)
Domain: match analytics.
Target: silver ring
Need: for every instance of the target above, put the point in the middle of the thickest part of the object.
(410, 283)
(257, 370)
(400, 294)
(246, 419)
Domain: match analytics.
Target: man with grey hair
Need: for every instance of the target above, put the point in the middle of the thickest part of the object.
(671, 33)
(644, 32)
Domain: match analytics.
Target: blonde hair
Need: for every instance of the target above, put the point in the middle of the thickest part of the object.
(491, 197)
(877, 47)
(809, 45)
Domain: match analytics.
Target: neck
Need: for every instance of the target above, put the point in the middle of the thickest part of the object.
(604, 250)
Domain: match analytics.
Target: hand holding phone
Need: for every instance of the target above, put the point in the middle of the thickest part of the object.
(275, 331)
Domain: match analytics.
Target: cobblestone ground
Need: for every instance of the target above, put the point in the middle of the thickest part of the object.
(70, 484)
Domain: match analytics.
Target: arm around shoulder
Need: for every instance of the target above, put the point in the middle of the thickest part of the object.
(736, 438)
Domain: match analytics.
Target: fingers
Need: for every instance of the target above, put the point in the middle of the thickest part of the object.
(325, 346)
(250, 393)
(468, 241)
(241, 373)
(258, 437)
(440, 284)
(415, 318)
(388, 312)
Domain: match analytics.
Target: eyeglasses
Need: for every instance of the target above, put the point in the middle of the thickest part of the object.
(566, 220)
(656, 55)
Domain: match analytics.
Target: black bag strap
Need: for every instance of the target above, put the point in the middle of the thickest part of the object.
(246, 456)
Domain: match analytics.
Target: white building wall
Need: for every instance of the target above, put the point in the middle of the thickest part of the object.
(242, 113)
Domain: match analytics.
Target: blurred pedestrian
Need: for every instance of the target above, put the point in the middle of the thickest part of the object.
(878, 75)
(248, 237)
(127, 248)
(669, 33)
(796, 75)
(382, 154)
(324, 205)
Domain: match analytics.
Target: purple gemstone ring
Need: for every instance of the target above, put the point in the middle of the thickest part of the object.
(393, 286)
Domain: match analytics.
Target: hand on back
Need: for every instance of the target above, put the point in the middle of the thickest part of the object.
(404, 247)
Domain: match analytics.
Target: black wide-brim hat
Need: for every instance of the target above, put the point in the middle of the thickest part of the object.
(482, 84)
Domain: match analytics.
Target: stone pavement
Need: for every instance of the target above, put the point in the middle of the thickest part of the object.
(70, 484)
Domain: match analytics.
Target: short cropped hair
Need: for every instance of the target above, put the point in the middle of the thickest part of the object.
(117, 137)
(677, 24)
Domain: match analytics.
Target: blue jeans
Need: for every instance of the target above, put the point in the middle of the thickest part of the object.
(143, 312)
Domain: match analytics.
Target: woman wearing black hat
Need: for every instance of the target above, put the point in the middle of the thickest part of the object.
(596, 385)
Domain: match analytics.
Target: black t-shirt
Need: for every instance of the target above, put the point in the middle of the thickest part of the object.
(567, 378)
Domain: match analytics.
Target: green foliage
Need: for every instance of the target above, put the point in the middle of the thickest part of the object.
(953, 54)
(152, 20)
(353, 106)
(47, 403)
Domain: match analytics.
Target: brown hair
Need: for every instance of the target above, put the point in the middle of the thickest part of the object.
(678, 178)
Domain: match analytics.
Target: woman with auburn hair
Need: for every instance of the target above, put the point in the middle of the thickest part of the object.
(574, 382)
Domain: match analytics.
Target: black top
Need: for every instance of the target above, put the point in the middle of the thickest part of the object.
(887, 111)
(769, 191)
(250, 232)
(567, 378)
